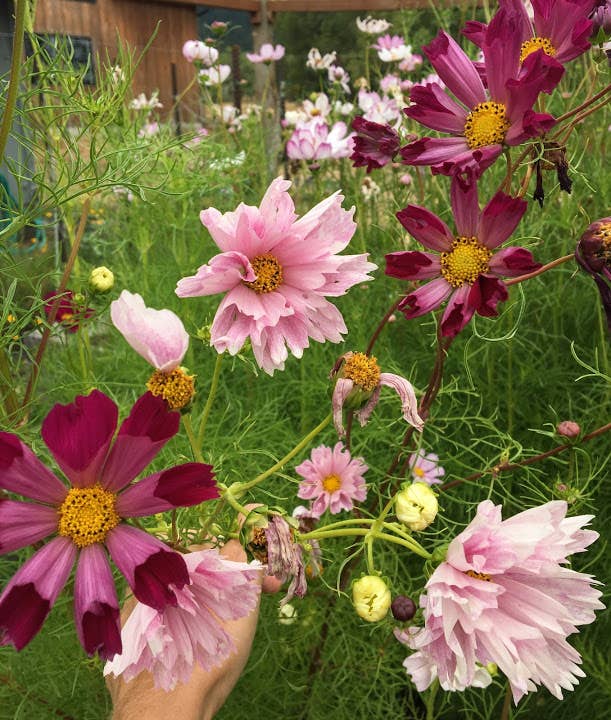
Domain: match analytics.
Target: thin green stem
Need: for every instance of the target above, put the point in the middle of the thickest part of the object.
(412, 545)
(430, 701)
(13, 82)
(7, 393)
(197, 453)
(208, 406)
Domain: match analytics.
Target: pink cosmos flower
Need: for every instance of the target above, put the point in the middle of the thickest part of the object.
(320, 108)
(276, 272)
(156, 335)
(358, 386)
(316, 61)
(315, 140)
(215, 75)
(149, 129)
(410, 63)
(560, 28)
(267, 54)
(382, 110)
(194, 50)
(374, 145)
(480, 121)
(372, 26)
(388, 42)
(503, 595)
(425, 467)
(339, 76)
(171, 642)
(332, 479)
(466, 270)
(90, 514)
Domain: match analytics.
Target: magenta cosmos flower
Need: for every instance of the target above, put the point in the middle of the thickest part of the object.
(332, 479)
(88, 517)
(560, 28)
(481, 121)
(170, 643)
(374, 145)
(161, 339)
(466, 270)
(276, 272)
(358, 386)
(503, 595)
(425, 467)
(267, 54)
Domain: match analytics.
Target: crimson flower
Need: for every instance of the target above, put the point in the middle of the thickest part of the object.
(466, 270)
(88, 517)
(69, 313)
(374, 145)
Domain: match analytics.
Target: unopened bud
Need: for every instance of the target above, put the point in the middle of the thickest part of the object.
(101, 279)
(416, 506)
(371, 598)
(287, 614)
(568, 429)
(403, 608)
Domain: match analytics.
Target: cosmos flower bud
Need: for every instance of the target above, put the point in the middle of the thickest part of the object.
(403, 608)
(101, 279)
(416, 506)
(568, 429)
(593, 253)
(371, 598)
(287, 614)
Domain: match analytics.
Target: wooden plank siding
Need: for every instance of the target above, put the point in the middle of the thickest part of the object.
(134, 22)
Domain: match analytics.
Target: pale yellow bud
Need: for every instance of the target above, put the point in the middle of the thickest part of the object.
(416, 506)
(371, 598)
(101, 279)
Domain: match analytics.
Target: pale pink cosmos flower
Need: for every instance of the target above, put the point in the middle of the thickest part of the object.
(504, 595)
(170, 643)
(358, 386)
(388, 42)
(332, 479)
(156, 335)
(316, 61)
(372, 26)
(315, 140)
(267, 54)
(194, 50)
(425, 467)
(320, 108)
(382, 110)
(410, 63)
(276, 272)
(215, 75)
(339, 76)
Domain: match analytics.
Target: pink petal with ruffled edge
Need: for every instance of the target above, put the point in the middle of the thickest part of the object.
(179, 486)
(79, 435)
(412, 265)
(499, 219)
(343, 388)
(141, 436)
(458, 312)
(22, 472)
(29, 596)
(513, 262)
(149, 566)
(222, 273)
(428, 229)
(157, 335)
(96, 608)
(22, 524)
(425, 298)
(434, 109)
(405, 391)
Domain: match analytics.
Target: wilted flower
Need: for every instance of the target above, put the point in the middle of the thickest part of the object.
(70, 311)
(101, 279)
(374, 145)
(593, 253)
(171, 642)
(315, 140)
(371, 598)
(416, 506)
(357, 387)
(273, 294)
(333, 480)
(502, 595)
(316, 61)
(267, 54)
(89, 515)
(372, 26)
(425, 467)
(466, 271)
(601, 17)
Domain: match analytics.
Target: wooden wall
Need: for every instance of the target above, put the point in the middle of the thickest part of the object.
(134, 21)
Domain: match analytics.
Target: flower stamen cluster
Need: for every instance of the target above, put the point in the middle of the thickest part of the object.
(175, 387)
(465, 262)
(534, 44)
(87, 515)
(364, 371)
(269, 274)
(486, 124)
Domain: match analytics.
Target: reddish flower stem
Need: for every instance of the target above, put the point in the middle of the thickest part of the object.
(508, 467)
(541, 270)
(381, 324)
(585, 104)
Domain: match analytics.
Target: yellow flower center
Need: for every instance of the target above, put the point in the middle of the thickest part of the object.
(486, 124)
(479, 576)
(467, 259)
(332, 483)
(362, 370)
(534, 44)
(269, 274)
(87, 515)
(175, 387)
(602, 233)
(419, 472)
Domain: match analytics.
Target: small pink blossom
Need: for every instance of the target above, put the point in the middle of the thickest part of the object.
(215, 75)
(149, 129)
(267, 54)
(315, 140)
(410, 63)
(170, 643)
(316, 61)
(156, 335)
(388, 42)
(194, 50)
(425, 467)
(320, 108)
(332, 479)
(339, 76)
(504, 595)
(382, 110)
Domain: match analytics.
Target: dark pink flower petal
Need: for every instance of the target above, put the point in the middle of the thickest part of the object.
(374, 145)
(486, 293)
(501, 48)
(179, 486)
(27, 599)
(539, 73)
(141, 436)
(532, 124)
(149, 566)
(513, 262)
(96, 608)
(455, 69)
(576, 41)
(458, 312)
(465, 207)
(412, 265)
(425, 298)
(79, 435)
(475, 32)
(426, 227)
(566, 24)
(22, 524)
(499, 219)
(22, 472)
(434, 109)
(450, 156)
(364, 413)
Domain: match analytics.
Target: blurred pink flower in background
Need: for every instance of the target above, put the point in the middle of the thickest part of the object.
(267, 54)
(316, 61)
(315, 140)
(381, 110)
(410, 63)
(503, 596)
(333, 480)
(425, 467)
(170, 643)
(149, 129)
(388, 42)
(196, 50)
(372, 26)
(320, 108)
(339, 76)
(276, 272)
(215, 75)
